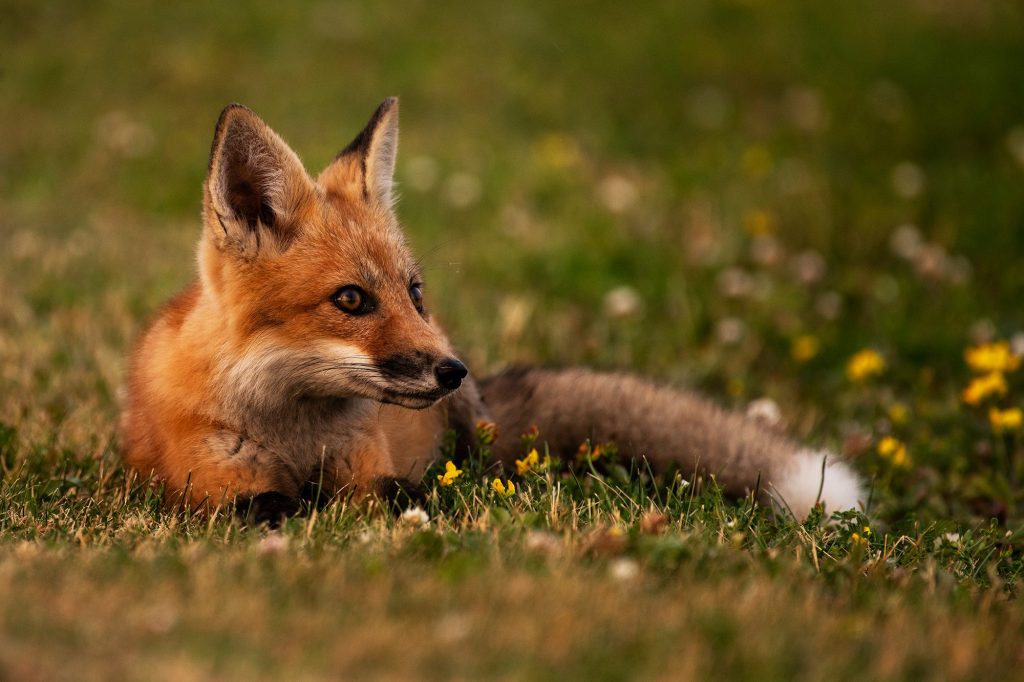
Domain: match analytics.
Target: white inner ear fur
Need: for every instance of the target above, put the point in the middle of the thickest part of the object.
(380, 159)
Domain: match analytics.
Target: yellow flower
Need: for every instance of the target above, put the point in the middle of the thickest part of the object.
(758, 222)
(1006, 420)
(505, 490)
(756, 161)
(528, 463)
(486, 432)
(586, 451)
(558, 150)
(804, 348)
(864, 365)
(894, 451)
(857, 539)
(898, 413)
(984, 386)
(992, 357)
(449, 475)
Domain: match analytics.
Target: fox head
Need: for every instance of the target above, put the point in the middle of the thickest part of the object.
(318, 292)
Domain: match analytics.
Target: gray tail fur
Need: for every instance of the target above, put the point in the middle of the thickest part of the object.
(669, 428)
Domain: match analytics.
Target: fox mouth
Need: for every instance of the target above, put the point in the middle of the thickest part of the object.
(391, 382)
(417, 400)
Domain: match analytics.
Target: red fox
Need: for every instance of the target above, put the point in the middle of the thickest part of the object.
(305, 352)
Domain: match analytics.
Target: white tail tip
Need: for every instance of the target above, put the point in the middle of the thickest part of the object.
(798, 487)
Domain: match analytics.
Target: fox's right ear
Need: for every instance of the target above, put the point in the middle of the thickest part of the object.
(256, 185)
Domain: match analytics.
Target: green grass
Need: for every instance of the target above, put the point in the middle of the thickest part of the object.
(742, 167)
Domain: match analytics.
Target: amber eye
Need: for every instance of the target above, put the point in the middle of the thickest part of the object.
(352, 300)
(416, 294)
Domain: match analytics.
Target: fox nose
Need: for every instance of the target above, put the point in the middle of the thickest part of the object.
(450, 373)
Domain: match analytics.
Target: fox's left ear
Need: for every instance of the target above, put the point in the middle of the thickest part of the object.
(365, 168)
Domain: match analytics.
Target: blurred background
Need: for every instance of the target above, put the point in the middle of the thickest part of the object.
(732, 195)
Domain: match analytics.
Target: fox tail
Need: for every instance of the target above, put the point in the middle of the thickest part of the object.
(670, 429)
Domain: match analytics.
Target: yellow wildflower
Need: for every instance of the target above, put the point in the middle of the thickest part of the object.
(898, 413)
(587, 451)
(804, 348)
(449, 475)
(858, 540)
(528, 463)
(503, 489)
(992, 357)
(756, 161)
(984, 386)
(758, 222)
(894, 451)
(558, 150)
(1006, 420)
(864, 365)
(486, 432)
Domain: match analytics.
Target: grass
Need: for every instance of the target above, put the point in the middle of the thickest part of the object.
(734, 196)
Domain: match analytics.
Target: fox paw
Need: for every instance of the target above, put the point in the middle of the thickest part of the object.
(398, 493)
(270, 508)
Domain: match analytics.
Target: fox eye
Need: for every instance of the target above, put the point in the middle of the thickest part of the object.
(416, 294)
(352, 300)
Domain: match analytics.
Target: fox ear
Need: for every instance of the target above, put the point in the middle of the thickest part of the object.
(255, 185)
(365, 168)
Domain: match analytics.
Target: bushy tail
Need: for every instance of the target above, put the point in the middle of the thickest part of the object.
(668, 428)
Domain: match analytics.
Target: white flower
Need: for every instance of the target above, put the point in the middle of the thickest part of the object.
(415, 516)
(907, 179)
(809, 267)
(734, 283)
(617, 193)
(543, 543)
(462, 190)
(622, 302)
(730, 331)
(765, 410)
(906, 241)
(273, 543)
(624, 569)
(422, 172)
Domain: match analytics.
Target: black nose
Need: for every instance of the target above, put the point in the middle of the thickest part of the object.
(450, 373)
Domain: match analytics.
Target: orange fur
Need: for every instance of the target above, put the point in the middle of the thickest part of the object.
(301, 353)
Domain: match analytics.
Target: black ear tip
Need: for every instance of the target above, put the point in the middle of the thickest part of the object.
(387, 105)
(230, 110)
(228, 113)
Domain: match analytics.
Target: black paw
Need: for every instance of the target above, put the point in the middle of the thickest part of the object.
(315, 496)
(399, 494)
(269, 508)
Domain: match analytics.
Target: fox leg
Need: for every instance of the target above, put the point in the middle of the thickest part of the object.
(227, 467)
(365, 469)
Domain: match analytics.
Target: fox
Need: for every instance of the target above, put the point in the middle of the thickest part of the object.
(304, 353)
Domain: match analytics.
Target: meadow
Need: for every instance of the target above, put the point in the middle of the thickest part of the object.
(810, 211)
